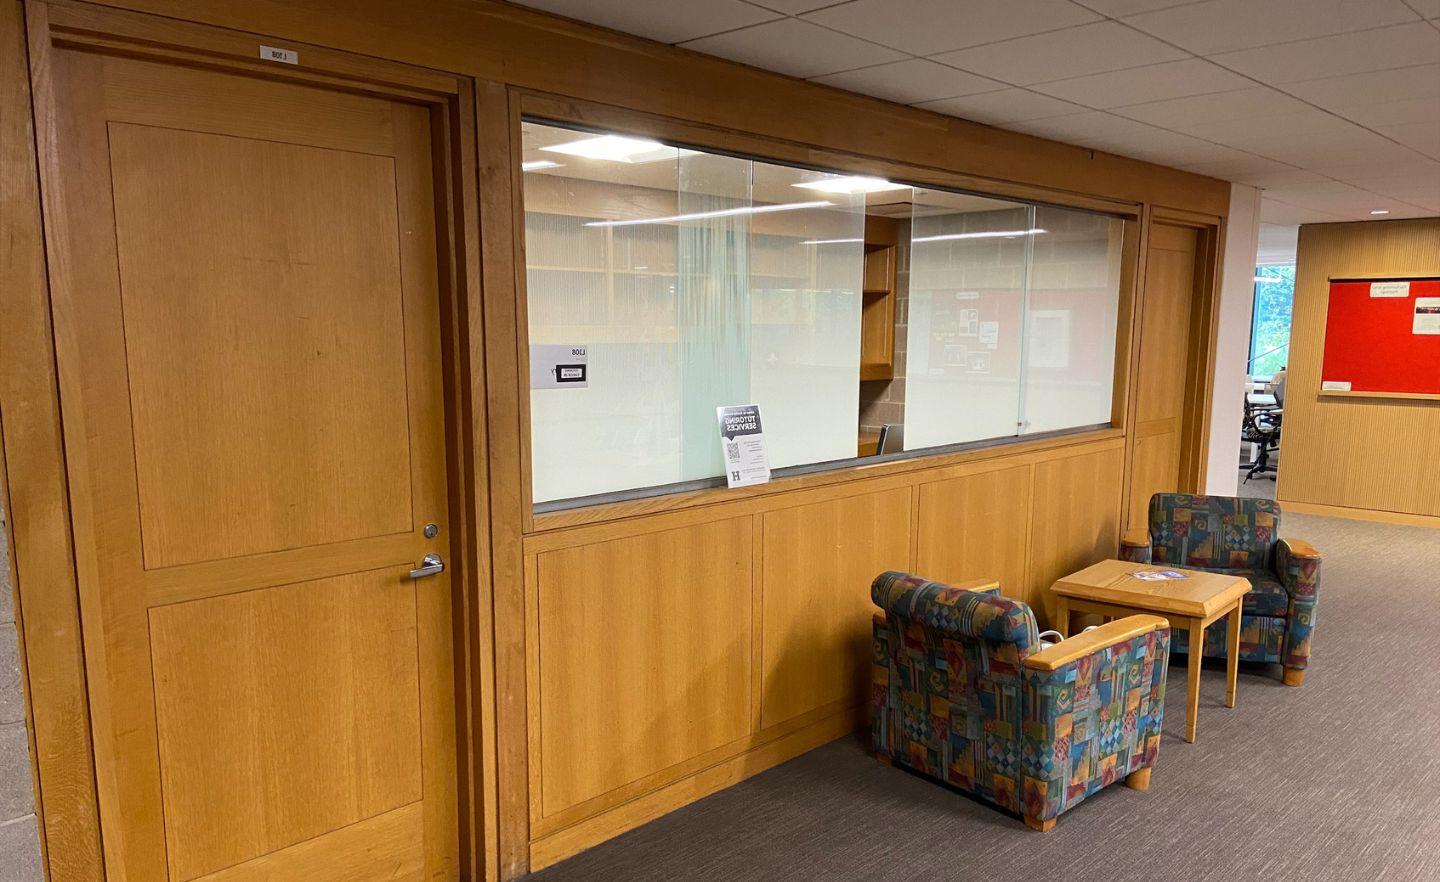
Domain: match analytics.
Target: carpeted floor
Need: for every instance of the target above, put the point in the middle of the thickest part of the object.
(1336, 780)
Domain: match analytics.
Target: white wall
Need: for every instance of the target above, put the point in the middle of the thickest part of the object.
(1232, 344)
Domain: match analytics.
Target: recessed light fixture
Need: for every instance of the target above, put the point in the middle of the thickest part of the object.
(830, 241)
(537, 164)
(852, 184)
(989, 234)
(1260, 280)
(615, 148)
(1379, 211)
(701, 215)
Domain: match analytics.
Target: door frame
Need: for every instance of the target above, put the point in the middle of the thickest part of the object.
(49, 550)
(1200, 354)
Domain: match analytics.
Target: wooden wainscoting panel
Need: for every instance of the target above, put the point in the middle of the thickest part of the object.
(977, 527)
(379, 849)
(212, 306)
(1155, 467)
(819, 561)
(1076, 520)
(644, 656)
(284, 713)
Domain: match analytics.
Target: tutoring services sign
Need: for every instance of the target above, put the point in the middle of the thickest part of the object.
(743, 443)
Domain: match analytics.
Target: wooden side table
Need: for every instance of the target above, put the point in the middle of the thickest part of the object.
(1111, 589)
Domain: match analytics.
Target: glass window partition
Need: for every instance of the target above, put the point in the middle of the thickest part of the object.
(695, 280)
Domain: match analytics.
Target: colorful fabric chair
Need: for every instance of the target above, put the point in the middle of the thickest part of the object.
(1240, 536)
(963, 692)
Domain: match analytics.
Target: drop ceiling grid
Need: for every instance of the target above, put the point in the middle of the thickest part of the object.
(1198, 84)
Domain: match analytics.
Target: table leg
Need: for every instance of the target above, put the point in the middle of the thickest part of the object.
(1062, 615)
(1197, 657)
(1232, 654)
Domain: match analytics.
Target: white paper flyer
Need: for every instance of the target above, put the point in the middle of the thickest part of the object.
(743, 443)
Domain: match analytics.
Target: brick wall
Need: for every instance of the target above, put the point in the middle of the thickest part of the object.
(19, 842)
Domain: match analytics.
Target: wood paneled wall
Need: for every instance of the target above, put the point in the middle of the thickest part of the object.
(666, 646)
(647, 655)
(1361, 457)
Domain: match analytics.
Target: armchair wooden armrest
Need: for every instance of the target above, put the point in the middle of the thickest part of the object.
(1139, 538)
(1081, 645)
(1301, 548)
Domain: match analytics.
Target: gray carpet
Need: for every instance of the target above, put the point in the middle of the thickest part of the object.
(1336, 780)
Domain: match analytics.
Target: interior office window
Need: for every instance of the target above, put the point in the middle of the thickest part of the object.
(1270, 322)
(1072, 312)
(694, 280)
(1013, 315)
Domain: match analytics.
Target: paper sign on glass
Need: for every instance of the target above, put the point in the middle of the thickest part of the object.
(1389, 289)
(559, 366)
(743, 443)
(1427, 315)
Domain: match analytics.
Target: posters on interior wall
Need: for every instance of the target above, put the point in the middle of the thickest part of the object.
(1427, 315)
(742, 440)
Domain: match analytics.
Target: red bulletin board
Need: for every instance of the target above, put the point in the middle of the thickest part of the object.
(1380, 338)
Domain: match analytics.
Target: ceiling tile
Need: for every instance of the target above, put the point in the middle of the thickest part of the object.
(1118, 8)
(1394, 113)
(1256, 171)
(1274, 211)
(665, 20)
(1423, 136)
(793, 7)
(1173, 79)
(1419, 169)
(927, 27)
(1355, 90)
(911, 81)
(1243, 132)
(1195, 112)
(1427, 8)
(1226, 25)
(1359, 52)
(1005, 106)
(794, 47)
(1058, 55)
(1350, 146)
(1084, 129)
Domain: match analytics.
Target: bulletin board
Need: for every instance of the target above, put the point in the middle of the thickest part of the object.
(1382, 338)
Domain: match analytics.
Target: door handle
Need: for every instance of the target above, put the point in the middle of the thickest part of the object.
(431, 564)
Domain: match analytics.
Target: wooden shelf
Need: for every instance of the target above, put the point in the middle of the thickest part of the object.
(1403, 396)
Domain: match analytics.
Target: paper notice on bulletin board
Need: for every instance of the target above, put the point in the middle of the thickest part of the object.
(1389, 289)
(1427, 315)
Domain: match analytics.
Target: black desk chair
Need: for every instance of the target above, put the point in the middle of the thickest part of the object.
(1261, 427)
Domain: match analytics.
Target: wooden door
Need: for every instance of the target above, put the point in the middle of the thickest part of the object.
(1166, 354)
(246, 291)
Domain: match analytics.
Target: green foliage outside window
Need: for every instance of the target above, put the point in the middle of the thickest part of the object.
(1270, 324)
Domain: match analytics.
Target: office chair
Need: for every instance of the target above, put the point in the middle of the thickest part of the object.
(892, 439)
(1261, 426)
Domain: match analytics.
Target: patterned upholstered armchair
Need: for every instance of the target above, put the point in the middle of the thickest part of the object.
(1239, 536)
(963, 692)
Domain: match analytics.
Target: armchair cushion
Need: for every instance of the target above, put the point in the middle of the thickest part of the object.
(1267, 596)
(1213, 532)
(974, 609)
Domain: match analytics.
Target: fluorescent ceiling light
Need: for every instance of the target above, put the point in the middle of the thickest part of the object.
(1379, 211)
(537, 164)
(615, 148)
(1261, 280)
(723, 212)
(829, 241)
(992, 234)
(852, 184)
